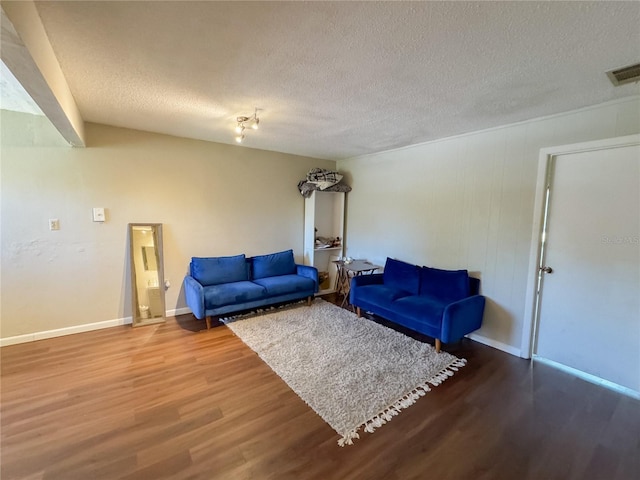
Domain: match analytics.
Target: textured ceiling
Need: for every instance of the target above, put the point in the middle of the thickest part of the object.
(338, 79)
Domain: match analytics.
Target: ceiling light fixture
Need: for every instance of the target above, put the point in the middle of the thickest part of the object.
(243, 122)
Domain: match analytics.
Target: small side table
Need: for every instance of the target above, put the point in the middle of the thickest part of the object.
(348, 270)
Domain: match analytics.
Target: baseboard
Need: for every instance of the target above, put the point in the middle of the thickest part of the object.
(495, 344)
(59, 332)
(589, 378)
(87, 327)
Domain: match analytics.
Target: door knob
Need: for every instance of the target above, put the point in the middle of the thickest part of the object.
(546, 269)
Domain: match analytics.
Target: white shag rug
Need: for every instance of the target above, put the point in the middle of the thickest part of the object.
(351, 371)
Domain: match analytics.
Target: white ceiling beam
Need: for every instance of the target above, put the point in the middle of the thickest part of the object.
(27, 52)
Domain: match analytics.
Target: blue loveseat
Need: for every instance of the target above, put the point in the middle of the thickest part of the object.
(443, 304)
(220, 285)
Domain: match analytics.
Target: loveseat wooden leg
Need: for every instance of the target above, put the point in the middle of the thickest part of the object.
(208, 320)
(309, 300)
(358, 311)
(438, 345)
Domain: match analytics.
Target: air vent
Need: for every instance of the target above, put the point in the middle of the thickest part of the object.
(620, 76)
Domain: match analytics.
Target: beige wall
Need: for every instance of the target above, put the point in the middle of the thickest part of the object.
(212, 199)
(467, 202)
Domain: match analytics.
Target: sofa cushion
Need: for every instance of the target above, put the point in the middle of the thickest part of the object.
(217, 270)
(283, 284)
(379, 295)
(424, 309)
(401, 275)
(274, 264)
(231, 293)
(447, 285)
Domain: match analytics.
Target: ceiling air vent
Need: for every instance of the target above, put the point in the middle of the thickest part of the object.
(628, 74)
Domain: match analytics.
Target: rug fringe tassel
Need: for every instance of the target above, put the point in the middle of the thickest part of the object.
(405, 402)
(261, 311)
(447, 372)
(348, 438)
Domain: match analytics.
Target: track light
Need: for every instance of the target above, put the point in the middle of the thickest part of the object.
(243, 122)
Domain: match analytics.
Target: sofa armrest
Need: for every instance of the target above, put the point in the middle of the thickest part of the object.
(309, 272)
(462, 317)
(361, 280)
(194, 295)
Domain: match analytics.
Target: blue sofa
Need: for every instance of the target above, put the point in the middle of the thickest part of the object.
(443, 304)
(220, 285)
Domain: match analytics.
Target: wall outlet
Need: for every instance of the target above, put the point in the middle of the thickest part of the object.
(54, 224)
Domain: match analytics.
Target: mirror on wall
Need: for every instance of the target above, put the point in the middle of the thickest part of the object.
(147, 273)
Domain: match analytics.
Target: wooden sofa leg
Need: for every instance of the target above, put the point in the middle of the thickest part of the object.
(208, 320)
(438, 345)
(358, 311)
(309, 300)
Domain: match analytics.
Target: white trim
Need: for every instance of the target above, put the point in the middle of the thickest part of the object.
(526, 346)
(526, 343)
(87, 327)
(59, 332)
(589, 378)
(495, 344)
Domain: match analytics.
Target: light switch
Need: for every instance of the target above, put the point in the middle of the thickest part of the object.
(54, 224)
(98, 214)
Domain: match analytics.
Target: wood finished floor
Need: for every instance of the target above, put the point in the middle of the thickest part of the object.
(176, 401)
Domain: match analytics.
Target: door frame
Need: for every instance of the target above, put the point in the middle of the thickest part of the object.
(545, 159)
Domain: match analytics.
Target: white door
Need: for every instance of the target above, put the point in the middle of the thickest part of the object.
(589, 313)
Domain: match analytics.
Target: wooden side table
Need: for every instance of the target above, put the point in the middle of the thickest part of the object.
(348, 270)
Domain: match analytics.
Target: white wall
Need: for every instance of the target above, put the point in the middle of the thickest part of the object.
(212, 199)
(467, 202)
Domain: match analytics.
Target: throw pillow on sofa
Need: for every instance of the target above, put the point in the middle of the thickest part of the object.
(448, 285)
(217, 270)
(274, 264)
(401, 275)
